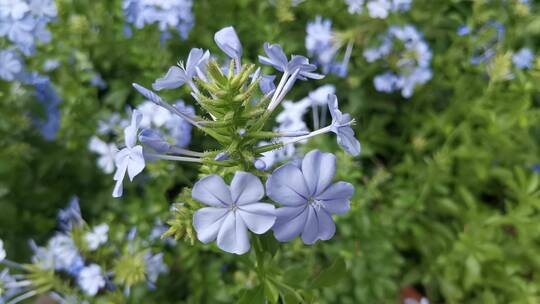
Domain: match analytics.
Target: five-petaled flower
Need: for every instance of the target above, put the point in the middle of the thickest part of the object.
(130, 159)
(232, 211)
(309, 198)
(341, 125)
(184, 73)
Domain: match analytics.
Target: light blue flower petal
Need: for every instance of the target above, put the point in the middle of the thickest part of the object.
(246, 188)
(318, 169)
(207, 222)
(233, 235)
(212, 191)
(174, 78)
(228, 41)
(287, 186)
(259, 217)
(290, 222)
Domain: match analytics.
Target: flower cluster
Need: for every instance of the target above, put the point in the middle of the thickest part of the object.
(169, 15)
(24, 22)
(159, 127)
(408, 57)
(487, 39)
(378, 8)
(236, 115)
(323, 45)
(78, 254)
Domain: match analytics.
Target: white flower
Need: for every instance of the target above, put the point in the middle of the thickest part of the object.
(2, 251)
(98, 236)
(91, 279)
(153, 115)
(106, 152)
(64, 251)
(379, 8)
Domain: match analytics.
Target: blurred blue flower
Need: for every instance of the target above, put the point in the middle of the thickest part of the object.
(70, 216)
(10, 65)
(323, 46)
(523, 59)
(413, 65)
(378, 8)
(309, 198)
(232, 211)
(170, 15)
(91, 279)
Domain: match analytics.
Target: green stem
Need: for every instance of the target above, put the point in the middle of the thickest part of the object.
(259, 255)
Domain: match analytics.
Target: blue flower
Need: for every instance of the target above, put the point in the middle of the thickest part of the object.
(232, 211)
(70, 216)
(49, 99)
(277, 58)
(178, 75)
(341, 125)
(323, 46)
(43, 8)
(378, 8)
(170, 15)
(15, 9)
(523, 59)
(308, 197)
(10, 65)
(154, 139)
(413, 64)
(130, 159)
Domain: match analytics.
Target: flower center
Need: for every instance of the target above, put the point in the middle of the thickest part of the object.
(315, 203)
(233, 207)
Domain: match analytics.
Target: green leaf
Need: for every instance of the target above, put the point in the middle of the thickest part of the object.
(253, 296)
(269, 243)
(271, 291)
(331, 275)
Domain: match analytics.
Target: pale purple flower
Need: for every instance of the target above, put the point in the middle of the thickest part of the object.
(523, 59)
(153, 115)
(341, 125)
(154, 266)
(266, 84)
(308, 197)
(277, 58)
(130, 159)
(106, 152)
(379, 8)
(355, 6)
(91, 279)
(63, 251)
(154, 139)
(43, 8)
(70, 216)
(13, 9)
(232, 211)
(228, 41)
(97, 237)
(184, 73)
(386, 82)
(10, 65)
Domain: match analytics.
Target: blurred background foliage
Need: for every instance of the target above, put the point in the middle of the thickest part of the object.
(447, 200)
